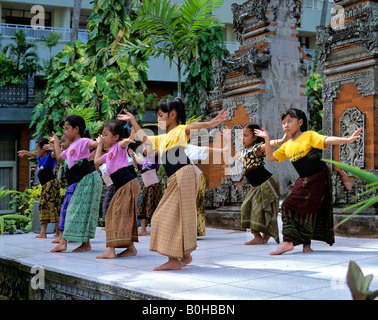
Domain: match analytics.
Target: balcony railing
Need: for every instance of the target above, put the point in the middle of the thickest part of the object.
(8, 30)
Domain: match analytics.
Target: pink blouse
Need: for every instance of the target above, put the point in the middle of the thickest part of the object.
(115, 158)
(78, 150)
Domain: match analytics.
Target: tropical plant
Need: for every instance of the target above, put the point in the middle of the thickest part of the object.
(199, 69)
(49, 42)
(23, 54)
(314, 85)
(366, 176)
(63, 85)
(3, 193)
(359, 284)
(8, 71)
(175, 28)
(90, 116)
(87, 76)
(12, 217)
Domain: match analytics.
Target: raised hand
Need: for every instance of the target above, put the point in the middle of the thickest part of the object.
(356, 135)
(125, 117)
(22, 153)
(54, 138)
(221, 117)
(262, 133)
(99, 139)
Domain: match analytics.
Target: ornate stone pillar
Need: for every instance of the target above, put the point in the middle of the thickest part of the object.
(348, 49)
(257, 83)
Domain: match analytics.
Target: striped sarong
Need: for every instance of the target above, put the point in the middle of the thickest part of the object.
(121, 218)
(259, 209)
(67, 199)
(83, 210)
(50, 202)
(173, 224)
(307, 211)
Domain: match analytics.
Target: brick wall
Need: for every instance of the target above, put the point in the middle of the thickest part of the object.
(215, 172)
(349, 97)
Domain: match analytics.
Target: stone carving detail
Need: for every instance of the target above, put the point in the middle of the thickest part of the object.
(323, 42)
(352, 153)
(366, 85)
(368, 30)
(240, 12)
(250, 64)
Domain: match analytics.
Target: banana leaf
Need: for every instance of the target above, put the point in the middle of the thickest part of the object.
(364, 175)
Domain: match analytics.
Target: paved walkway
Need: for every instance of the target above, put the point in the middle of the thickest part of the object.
(222, 268)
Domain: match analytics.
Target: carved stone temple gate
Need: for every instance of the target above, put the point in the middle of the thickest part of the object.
(257, 83)
(348, 52)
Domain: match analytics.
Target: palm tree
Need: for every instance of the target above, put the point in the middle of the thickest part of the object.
(75, 20)
(50, 42)
(21, 51)
(174, 28)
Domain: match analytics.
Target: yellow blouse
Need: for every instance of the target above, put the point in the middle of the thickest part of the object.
(176, 137)
(295, 150)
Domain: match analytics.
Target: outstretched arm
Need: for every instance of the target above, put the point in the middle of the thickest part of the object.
(341, 140)
(23, 153)
(221, 117)
(268, 148)
(275, 143)
(142, 136)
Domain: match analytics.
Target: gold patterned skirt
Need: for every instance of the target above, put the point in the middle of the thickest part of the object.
(201, 221)
(50, 202)
(173, 225)
(121, 218)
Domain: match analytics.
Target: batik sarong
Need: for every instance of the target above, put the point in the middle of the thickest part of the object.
(50, 202)
(149, 201)
(259, 209)
(109, 194)
(121, 218)
(67, 199)
(307, 211)
(173, 224)
(201, 222)
(83, 210)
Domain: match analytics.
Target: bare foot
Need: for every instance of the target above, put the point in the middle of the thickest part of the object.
(172, 264)
(307, 248)
(62, 246)
(58, 239)
(41, 235)
(143, 233)
(256, 240)
(108, 254)
(129, 252)
(85, 246)
(285, 247)
(186, 260)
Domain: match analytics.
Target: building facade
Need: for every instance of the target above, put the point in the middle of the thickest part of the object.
(17, 101)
